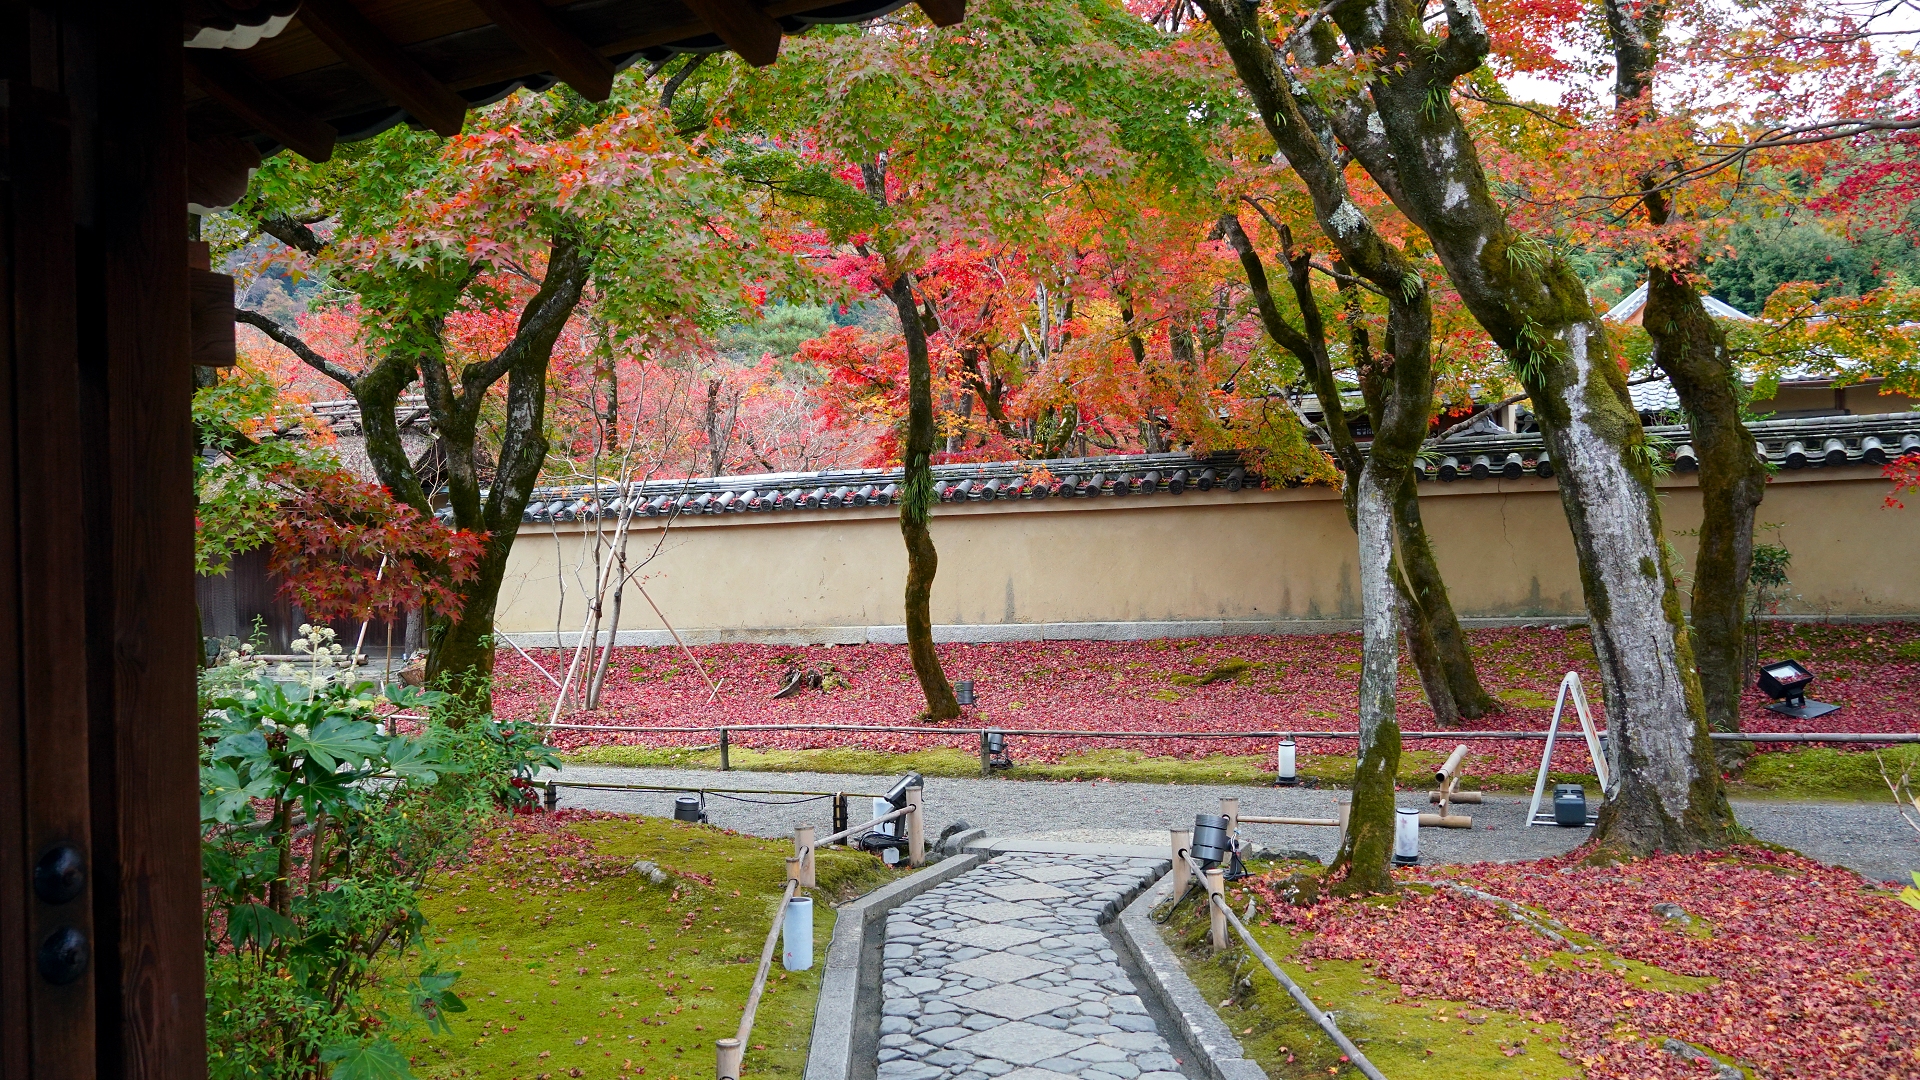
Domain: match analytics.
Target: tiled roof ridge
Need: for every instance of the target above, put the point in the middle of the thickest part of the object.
(1809, 442)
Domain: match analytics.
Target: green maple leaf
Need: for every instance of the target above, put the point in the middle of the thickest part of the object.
(377, 1060)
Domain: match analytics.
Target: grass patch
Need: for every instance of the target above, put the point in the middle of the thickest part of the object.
(1416, 766)
(575, 965)
(1405, 1037)
(1820, 772)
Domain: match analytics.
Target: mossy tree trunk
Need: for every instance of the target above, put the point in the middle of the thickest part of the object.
(1400, 125)
(1692, 349)
(460, 642)
(1399, 383)
(916, 489)
(1442, 659)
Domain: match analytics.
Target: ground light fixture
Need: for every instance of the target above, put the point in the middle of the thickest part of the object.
(1406, 836)
(1212, 844)
(997, 756)
(889, 838)
(963, 692)
(691, 809)
(1286, 773)
(1787, 683)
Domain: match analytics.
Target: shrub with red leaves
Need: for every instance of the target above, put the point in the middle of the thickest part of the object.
(333, 535)
(1814, 971)
(1293, 682)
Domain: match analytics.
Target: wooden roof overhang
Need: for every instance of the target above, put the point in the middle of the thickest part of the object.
(305, 74)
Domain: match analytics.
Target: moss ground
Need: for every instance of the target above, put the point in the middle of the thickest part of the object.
(1812, 773)
(1407, 1039)
(578, 966)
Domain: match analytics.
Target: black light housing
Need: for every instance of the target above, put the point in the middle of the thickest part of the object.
(963, 692)
(1211, 841)
(997, 756)
(691, 809)
(1787, 683)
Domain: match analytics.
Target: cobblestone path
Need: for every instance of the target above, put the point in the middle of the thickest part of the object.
(1004, 972)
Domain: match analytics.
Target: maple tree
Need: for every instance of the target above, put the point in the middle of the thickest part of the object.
(467, 262)
(901, 145)
(1384, 84)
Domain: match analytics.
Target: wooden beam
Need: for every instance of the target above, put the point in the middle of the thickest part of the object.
(211, 321)
(222, 78)
(218, 170)
(340, 26)
(533, 29)
(944, 12)
(745, 28)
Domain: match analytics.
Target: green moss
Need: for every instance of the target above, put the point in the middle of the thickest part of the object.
(1823, 773)
(604, 972)
(1232, 669)
(1405, 1038)
(1526, 699)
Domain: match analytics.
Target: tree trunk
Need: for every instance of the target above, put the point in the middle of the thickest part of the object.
(1425, 654)
(1369, 840)
(1692, 349)
(1402, 128)
(916, 500)
(1427, 591)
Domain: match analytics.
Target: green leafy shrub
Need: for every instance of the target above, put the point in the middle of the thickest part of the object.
(320, 823)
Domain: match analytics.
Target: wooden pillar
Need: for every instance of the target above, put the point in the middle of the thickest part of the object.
(98, 627)
(1182, 873)
(916, 828)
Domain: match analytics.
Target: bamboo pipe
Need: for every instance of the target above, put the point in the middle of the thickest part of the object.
(1230, 809)
(1182, 875)
(1217, 907)
(916, 831)
(1475, 797)
(1451, 769)
(1446, 821)
(803, 850)
(1290, 821)
(727, 1054)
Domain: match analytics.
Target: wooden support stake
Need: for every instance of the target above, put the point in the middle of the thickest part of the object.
(1182, 842)
(916, 830)
(1217, 906)
(986, 757)
(1230, 809)
(727, 1055)
(1445, 821)
(793, 869)
(1474, 797)
(725, 764)
(1346, 815)
(803, 848)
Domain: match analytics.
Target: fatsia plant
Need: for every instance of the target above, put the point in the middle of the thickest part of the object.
(319, 825)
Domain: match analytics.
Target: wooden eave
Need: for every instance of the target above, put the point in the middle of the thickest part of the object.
(444, 56)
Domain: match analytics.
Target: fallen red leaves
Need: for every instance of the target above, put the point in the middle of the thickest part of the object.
(1300, 682)
(1815, 970)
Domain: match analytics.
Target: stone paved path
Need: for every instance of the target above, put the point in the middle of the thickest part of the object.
(1004, 972)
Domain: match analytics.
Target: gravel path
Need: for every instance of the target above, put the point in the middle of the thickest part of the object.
(1867, 837)
(1004, 972)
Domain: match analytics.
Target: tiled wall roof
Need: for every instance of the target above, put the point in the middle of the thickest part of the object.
(1814, 442)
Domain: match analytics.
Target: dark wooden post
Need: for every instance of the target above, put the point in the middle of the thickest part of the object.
(100, 956)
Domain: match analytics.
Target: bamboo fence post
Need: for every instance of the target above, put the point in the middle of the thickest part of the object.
(727, 1055)
(916, 829)
(1230, 809)
(1182, 841)
(986, 757)
(803, 850)
(1217, 906)
(725, 765)
(1346, 812)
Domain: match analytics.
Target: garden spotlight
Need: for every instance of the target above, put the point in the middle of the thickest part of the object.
(963, 692)
(1787, 683)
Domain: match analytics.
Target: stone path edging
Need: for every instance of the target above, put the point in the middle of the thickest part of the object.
(836, 1043)
(1205, 1033)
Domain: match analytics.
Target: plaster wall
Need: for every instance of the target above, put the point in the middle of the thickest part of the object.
(1272, 556)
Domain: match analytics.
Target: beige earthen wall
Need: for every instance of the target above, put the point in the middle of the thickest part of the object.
(1252, 556)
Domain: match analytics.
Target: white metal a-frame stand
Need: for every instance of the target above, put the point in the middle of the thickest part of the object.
(1569, 687)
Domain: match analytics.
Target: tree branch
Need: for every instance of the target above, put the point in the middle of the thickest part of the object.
(292, 343)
